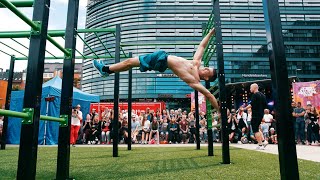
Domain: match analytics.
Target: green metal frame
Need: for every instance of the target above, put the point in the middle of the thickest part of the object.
(20, 3)
(27, 116)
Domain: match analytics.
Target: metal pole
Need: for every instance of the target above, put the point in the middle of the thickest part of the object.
(210, 137)
(63, 162)
(45, 123)
(208, 104)
(7, 105)
(115, 127)
(222, 88)
(278, 68)
(129, 104)
(196, 101)
(27, 163)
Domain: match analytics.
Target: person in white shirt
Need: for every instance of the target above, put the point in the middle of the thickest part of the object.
(76, 120)
(268, 118)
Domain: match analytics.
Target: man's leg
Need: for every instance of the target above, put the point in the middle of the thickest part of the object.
(125, 65)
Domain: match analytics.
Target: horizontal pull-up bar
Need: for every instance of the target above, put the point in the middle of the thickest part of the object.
(52, 33)
(20, 3)
(76, 57)
(14, 114)
(162, 44)
(50, 118)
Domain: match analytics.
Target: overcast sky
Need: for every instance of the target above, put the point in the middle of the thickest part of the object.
(57, 20)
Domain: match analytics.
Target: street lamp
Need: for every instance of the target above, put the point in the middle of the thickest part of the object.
(297, 73)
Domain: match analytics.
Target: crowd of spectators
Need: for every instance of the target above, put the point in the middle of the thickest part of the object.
(178, 126)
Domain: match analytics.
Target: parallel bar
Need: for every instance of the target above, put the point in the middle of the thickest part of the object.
(28, 48)
(221, 78)
(130, 105)
(13, 49)
(27, 163)
(5, 53)
(55, 43)
(196, 97)
(7, 105)
(63, 162)
(52, 33)
(76, 57)
(87, 45)
(279, 72)
(20, 3)
(13, 8)
(161, 44)
(102, 43)
(115, 126)
(50, 118)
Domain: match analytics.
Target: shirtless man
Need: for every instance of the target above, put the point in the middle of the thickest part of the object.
(188, 71)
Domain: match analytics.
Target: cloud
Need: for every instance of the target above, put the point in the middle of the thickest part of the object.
(82, 3)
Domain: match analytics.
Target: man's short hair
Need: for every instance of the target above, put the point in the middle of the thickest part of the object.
(213, 77)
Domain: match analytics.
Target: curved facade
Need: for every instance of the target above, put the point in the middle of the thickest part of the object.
(144, 21)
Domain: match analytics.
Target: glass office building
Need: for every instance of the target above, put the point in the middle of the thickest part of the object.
(179, 21)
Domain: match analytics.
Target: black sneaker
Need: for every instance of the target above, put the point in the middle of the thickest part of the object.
(303, 143)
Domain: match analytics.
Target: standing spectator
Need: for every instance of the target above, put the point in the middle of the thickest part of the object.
(265, 130)
(298, 113)
(192, 127)
(242, 123)
(258, 104)
(184, 130)
(313, 127)
(76, 120)
(173, 133)
(154, 130)
(87, 133)
(145, 130)
(203, 129)
(268, 118)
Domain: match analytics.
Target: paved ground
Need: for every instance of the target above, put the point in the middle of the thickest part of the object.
(311, 153)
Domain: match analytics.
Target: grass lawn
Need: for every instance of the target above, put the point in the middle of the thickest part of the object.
(156, 163)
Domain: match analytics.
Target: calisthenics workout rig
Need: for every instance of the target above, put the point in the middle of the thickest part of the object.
(38, 36)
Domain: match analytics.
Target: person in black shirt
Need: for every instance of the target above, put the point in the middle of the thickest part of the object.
(258, 104)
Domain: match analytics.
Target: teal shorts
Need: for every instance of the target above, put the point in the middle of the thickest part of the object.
(157, 61)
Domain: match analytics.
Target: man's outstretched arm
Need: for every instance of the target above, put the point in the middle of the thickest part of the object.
(202, 46)
(199, 87)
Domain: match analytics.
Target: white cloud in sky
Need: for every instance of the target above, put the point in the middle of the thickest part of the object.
(57, 20)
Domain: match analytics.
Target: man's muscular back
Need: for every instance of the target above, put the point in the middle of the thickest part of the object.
(186, 70)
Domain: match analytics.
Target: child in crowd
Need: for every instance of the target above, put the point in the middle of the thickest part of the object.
(265, 130)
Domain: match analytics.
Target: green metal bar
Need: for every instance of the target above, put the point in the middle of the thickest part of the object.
(5, 53)
(52, 33)
(76, 50)
(96, 34)
(13, 49)
(162, 44)
(108, 30)
(50, 118)
(88, 45)
(21, 3)
(76, 57)
(55, 43)
(123, 52)
(13, 8)
(16, 114)
(28, 48)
